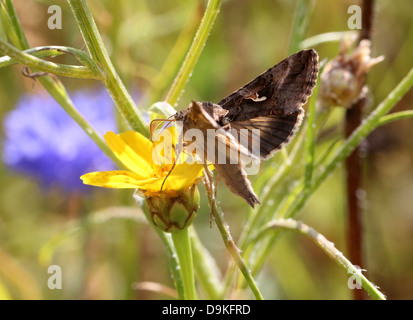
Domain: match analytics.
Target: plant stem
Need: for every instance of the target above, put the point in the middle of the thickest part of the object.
(39, 52)
(182, 245)
(310, 140)
(407, 114)
(229, 242)
(165, 76)
(46, 66)
(111, 79)
(206, 270)
(300, 25)
(327, 37)
(167, 241)
(194, 52)
(327, 247)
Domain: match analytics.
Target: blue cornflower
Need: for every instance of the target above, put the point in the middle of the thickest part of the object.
(43, 142)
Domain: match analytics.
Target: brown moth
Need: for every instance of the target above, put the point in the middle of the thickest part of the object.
(271, 104)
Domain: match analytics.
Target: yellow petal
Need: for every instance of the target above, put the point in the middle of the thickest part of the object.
(114, 179)
(142, 146)
(171, 131)
(125, 153)
(183, 176)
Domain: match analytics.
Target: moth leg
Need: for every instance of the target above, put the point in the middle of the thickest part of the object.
(210, 189)
(216, 186)
(164, 180)
(177, 154)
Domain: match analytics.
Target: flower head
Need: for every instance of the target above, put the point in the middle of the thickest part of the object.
(149, 164)
(153, 173)
(343, 78)
(43, 142)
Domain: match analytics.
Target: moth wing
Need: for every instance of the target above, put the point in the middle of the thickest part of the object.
(285, 87)
(273, 102)
(265, 135)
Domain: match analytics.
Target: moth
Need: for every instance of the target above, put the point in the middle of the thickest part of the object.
(268, 111)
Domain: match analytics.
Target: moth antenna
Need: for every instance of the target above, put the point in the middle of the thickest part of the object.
(160, 120)
(169, 120)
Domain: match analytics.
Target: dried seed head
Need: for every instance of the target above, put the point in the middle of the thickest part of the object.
(343, 78)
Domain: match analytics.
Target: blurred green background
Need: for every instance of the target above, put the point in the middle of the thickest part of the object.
(102, 260)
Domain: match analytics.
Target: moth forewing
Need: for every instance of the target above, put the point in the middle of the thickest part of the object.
(251, 140)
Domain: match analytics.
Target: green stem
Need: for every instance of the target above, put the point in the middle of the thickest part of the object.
(182, 244)
(38, 52)
(407, 114)
(165, 76)
(167, 241)
(7, 25)
(235, 253)
(301, 22)
(310, 141)
(46, 66)
(111, 79)
(328, 248)
(194, 52)
(206, 270)
(229, 242)
(16, 26)
(327, 37)
(52, 51)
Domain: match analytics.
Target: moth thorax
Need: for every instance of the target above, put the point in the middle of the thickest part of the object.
(215, 111)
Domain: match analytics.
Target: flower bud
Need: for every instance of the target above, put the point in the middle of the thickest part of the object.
(343, 78)
(173, 211)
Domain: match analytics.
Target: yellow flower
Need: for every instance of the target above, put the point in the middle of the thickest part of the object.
(174, 207)
(148, 164)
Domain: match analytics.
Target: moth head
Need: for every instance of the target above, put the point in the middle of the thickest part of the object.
(180, 115)
(184, 118)
(191, 114)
